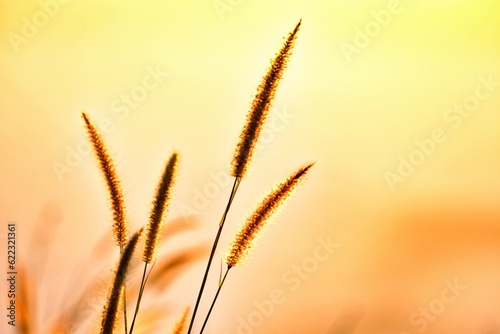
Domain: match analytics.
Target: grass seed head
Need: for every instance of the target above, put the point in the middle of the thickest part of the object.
(260, 107)
(180, 326)
(243, 241)
(160, 203)
(107, 167)
(113, 303)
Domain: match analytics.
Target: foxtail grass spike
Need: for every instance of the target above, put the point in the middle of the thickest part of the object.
(260, 107)
(112, 307)
(180, 326)
(248, 139)
(256, 221)
(115, 192)
(160, 204)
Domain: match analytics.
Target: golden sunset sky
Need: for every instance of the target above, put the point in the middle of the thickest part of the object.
(396, 229)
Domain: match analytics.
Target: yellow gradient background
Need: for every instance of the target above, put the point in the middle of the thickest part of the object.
(360, 107)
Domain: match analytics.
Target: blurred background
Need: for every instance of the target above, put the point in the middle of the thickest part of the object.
(395, 230)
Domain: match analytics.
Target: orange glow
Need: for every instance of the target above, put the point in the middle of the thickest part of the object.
(396, 229)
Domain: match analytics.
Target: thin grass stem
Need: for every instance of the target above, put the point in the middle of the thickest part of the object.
(111, 309)
(215, 299)
(236, 184)
(144, 280)
(139, 297)
(124, 299)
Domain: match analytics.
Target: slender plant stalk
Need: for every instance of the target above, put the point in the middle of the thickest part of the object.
(159, 208)
(139, 298)
(124, 287)
(141, 291)
(111, 309)
(214, 300)
(254, 224)
(239, 165)
(248, 138)
(214, 247)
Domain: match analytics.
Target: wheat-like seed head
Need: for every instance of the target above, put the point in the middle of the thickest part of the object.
(107, 167)
(112, 307)
(256, 221)
(260, 107)
(160, 204)
(180, 326)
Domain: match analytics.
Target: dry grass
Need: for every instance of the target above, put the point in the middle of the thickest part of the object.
(112, 307)
(243, 241)
(260, 107)
(160, 203)
(112, 182)
(180, 326)
(244, 150)
(168, 268)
